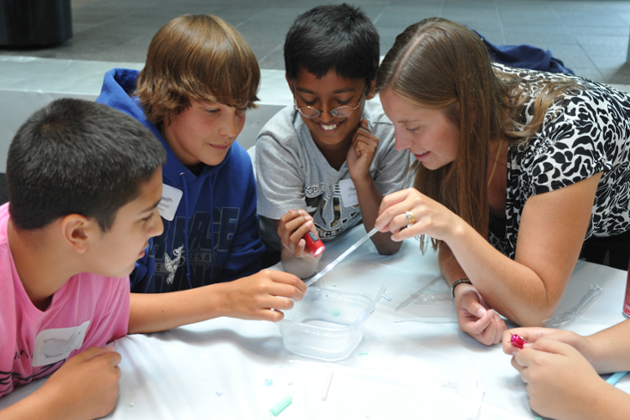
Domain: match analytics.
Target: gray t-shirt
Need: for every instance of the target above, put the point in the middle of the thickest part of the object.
(292, 173)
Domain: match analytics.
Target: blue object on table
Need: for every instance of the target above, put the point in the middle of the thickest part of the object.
(615, 377)
(525, 57)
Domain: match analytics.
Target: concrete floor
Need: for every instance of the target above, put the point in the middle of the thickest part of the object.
(591, 37)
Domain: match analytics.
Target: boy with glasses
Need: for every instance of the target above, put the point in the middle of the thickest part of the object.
(324, 164)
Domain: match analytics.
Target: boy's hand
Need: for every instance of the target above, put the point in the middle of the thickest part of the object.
(361, 152)
(475, 317)
(561, 383)
(291, 229)
(263, 295)
(85, 387)
(534, 334)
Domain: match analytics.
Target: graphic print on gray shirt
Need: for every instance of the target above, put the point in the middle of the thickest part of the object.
(292, 173)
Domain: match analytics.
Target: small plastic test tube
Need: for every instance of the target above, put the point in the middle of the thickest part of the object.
(284, 403)
(518, 341)
(327, 386)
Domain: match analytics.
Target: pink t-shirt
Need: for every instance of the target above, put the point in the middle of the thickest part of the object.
(87, 311)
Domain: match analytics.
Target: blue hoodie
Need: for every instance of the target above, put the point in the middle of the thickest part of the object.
(214, 234)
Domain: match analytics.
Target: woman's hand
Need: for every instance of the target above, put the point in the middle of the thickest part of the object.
(409, 213)
(476, 318)
(419, 214)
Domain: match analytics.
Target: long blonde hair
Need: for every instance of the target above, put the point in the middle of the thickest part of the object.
(440, 64)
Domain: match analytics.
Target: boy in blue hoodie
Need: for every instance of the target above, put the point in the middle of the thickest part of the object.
(199, 80)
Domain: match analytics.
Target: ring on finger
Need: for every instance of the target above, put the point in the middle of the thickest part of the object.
(410, 218)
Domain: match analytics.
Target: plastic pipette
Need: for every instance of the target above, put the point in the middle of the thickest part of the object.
(340, 258)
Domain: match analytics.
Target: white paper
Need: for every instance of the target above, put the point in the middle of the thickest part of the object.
(348, 193)
(169, 202)
(56, 344)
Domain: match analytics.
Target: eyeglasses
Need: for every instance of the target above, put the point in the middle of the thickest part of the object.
(339, 112)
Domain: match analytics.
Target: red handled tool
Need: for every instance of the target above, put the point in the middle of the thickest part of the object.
(314, 245)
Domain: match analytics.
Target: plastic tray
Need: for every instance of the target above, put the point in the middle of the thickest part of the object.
(327, 324)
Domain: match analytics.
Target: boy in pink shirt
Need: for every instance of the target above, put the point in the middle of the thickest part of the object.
(84, 184)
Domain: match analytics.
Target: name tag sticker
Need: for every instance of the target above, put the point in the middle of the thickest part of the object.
(169, 202)
(56, 344)
(348, 193)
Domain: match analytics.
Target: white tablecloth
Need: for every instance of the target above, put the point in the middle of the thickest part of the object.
(413, 361)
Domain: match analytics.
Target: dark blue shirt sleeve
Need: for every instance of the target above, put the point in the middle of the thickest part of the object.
(142, 277)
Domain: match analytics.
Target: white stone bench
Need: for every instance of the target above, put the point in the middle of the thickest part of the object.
(28, 83)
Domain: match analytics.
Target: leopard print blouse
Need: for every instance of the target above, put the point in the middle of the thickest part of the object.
(584, 133)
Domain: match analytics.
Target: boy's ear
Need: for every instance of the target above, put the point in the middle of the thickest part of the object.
(77, 231)
(289, 82)
(372, 91)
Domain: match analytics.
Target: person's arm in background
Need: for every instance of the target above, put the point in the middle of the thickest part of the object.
(561, 370)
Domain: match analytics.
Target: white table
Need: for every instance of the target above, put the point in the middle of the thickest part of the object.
(413, 361)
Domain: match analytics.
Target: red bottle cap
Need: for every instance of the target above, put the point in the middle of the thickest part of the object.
(518, 341)
(314, 245)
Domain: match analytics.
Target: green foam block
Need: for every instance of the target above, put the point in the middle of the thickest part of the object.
(284, 403)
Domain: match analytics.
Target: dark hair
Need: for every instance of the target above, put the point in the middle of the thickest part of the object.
(333, 36)
(75, 156)
(198, 57)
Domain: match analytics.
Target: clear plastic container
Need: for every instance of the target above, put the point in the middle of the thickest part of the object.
(327, 324)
